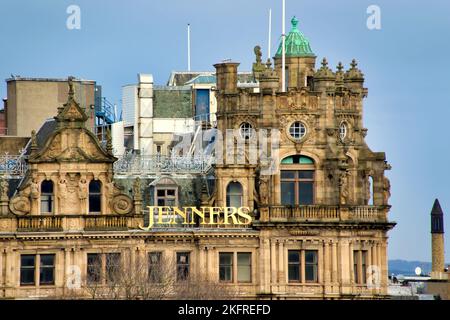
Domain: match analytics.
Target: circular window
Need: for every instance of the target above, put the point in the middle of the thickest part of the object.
(297, 130)
(343, 131)
(246, 130)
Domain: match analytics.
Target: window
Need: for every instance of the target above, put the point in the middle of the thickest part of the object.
(47, 196)
(27, 268)
(246, 130)
(47, 269)
(112, 266)
(94, 267)
(43, 263)
(95, 196)
(303, 266)
(294, 265)
(234, 195)
(182, 265)
(360, 266)
(166, 197)
(297, 130)
(154, 266)
(311, 266)
(297, 187)
(244, 267)
(343, 131)
(226, 266)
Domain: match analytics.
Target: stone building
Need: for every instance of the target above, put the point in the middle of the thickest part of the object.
(318, 197)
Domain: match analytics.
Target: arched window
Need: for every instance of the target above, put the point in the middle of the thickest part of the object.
(95, 196)
(47, 196)
(234, 195)
(297, 181)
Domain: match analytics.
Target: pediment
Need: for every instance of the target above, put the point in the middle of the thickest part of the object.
(72, 112)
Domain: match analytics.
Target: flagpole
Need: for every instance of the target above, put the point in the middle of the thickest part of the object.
(283, 53)
(270, 34)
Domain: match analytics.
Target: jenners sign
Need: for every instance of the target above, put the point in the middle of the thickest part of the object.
(163, 215)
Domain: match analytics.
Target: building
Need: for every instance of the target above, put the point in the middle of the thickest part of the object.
(298, 220)
(439, 284)
(30, 101)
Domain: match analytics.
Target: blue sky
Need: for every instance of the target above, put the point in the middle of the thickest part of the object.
(406, 63)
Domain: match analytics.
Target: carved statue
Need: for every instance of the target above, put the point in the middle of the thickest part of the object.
(264, 191)
(343, 188)
(386, 190)
(137, 188)
(4, 185)
(258, 54)
(82, 189)
(110, 189)
(62, 189)
(34, 189)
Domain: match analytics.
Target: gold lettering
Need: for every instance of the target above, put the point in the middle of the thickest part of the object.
(176, 210)
(245, 215)
(214, 211)
(231, 215)
(199, 213)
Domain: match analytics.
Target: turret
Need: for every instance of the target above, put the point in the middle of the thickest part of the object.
(227, 77)
(300, 60)
(437, 241)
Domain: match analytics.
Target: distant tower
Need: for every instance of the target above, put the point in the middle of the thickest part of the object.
(437, 241)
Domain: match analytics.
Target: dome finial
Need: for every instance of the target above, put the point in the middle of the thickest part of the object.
(294, 22)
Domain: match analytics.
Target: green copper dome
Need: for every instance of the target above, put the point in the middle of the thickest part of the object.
(296, 43)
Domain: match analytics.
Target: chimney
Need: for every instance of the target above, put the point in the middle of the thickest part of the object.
(226, 73)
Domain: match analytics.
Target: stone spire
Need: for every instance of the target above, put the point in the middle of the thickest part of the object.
(437, 218)
(437, 242)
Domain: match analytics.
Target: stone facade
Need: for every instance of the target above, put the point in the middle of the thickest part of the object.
(333, 246)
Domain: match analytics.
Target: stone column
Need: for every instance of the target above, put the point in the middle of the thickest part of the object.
(326, 262)
(273, 262)
(352, 274)
(334, 272)
(281, 254)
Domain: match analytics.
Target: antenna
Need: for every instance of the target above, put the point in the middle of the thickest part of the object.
(283, 53)
(189, 45)
(270, 34)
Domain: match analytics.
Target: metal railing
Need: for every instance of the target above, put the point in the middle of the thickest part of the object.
(13, 165)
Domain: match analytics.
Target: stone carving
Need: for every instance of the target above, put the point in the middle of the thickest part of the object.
(386, 190)
(20, 205)
(343, 188)
(83, 191)
(121, 204)
(62, 189)
(137, 188)
(34, 186)
(264, 191)
(4, 187)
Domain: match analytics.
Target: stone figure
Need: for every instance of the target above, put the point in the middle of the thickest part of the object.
(343, 188)
(368, 190)
(137, 188)
(264, 191)
(82, 189)
(4, 187)
(34, 189)
(62, 189)
(386, 190)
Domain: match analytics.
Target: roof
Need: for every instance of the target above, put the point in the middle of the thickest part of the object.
(437, 210)
(42, 135)
(183, 78)
(296, 44)
(19, 78)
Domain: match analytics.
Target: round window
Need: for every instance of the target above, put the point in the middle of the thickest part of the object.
(342, 131)
(297, 130)
(246, 130)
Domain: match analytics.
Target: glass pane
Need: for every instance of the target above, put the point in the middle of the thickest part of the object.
(306, 160)
(95, 187)
(27, 260)
(27, 276)
(293, 256)
(234, 201)
(234, 188)
(226, 258)
(287, 174)
(288, 193)
(244, 274)
(47, 187)
(310, 273)
(46, 203)
(161, 202)
(47, 260)
(47, 275)
(225, 273)
(161, 193)
(294, 272)
(94, 203)
(306, 174)
(310, 256)
(244, 258)
(171, 192)
(306, 195)
(287, 160)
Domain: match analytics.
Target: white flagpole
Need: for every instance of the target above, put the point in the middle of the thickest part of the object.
(270, 34)
(189, 46)
(283, 54)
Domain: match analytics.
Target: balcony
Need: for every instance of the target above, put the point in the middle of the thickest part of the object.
(39, 223)
(322, 213)
(102, 223)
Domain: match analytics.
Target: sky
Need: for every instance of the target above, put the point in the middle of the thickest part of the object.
(406, 65)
